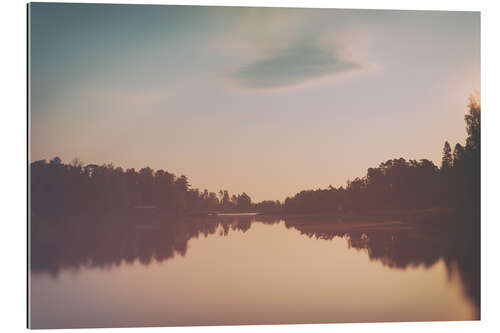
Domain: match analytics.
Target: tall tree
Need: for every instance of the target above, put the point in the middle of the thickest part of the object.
(472, 169)
(473, 120)
(447, 161)
(458, 155)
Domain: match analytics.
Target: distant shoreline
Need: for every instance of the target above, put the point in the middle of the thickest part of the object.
(400, 216)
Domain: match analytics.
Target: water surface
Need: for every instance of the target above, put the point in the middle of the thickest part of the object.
(107, 272)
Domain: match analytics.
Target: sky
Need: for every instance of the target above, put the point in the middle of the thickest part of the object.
(267, 101)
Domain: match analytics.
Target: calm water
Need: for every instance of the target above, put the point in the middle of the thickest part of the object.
(113, 272)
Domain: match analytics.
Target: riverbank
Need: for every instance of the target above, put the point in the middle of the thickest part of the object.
(406, 216)
(435, 218)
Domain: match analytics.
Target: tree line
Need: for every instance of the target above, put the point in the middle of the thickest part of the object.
(74, 189)
(397, 184)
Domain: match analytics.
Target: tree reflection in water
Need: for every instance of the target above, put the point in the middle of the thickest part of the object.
(105, 241)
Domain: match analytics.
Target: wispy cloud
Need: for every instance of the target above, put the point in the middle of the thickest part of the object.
(294, 65)
(274, 49)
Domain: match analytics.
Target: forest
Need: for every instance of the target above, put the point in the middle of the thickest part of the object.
(397, 184)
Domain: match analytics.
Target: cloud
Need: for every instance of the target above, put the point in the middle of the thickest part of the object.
(299, 63)
(259, 31)
(267, 49)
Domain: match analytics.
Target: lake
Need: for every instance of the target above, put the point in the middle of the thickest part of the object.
(107, 272)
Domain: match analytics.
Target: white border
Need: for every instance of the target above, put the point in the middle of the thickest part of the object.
(13, 164)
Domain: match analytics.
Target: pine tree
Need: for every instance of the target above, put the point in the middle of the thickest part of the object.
(447, 161)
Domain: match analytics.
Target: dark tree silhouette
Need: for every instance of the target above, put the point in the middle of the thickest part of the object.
(396, 184)
(447, 160)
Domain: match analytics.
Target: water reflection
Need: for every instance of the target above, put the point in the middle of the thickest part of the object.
(72, 242)
(108, 241)
(398, 246)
